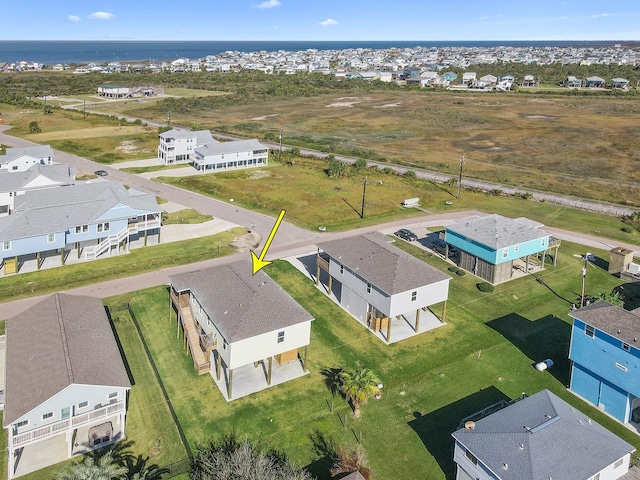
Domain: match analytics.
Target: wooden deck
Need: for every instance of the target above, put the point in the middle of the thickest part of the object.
(200, 361)
(632, 474)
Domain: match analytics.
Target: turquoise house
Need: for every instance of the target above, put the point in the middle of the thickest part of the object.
(494, 247)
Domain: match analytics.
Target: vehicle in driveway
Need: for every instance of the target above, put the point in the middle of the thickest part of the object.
(407, 235)
(440, 246)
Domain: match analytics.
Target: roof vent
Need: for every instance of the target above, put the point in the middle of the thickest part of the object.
(470, 425)
(225, 312)
(521, 446)
(618, 330)
(505, 466)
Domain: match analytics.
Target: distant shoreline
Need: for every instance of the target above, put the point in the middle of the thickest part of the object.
(76, 52)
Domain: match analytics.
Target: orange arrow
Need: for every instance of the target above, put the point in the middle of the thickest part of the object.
(259, 262)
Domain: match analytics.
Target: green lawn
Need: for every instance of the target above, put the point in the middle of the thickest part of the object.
(187, 215)
(484, 354)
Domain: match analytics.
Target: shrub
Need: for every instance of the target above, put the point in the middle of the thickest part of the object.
(34, 127)
(627, 230)
(410, 174)
(387, 170)
(460, 272)
(453, 268)
(485, 287)
(360, 164)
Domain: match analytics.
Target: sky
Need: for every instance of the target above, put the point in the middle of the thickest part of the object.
(347, 20)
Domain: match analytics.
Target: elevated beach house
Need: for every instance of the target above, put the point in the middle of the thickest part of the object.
(66, 383)
(243, 329)
(223, 156)
(21, 158)
(494, 247)
(605, 359)
(383, 287)
(178, 146)
(540, 437)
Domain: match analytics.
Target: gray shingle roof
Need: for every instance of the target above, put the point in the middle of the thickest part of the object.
(60, 341)
(241, 305)
(542, 437)
(230, 147)
(203, 137)
(615, 321)
(496, 231)
(377, 261)
(16, 181)
(37, 151)
(51, 210)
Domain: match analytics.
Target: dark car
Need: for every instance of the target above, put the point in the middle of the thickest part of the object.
(101, 173)
(407, 235)
(440, 246)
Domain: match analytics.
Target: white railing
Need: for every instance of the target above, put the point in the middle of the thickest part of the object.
(54, 428)
(114, 240)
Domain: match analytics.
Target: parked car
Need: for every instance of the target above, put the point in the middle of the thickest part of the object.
(440, 246)
(101, 173)
(407, 235)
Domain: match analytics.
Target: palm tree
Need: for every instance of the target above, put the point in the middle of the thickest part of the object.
(358, 385)
(92, 467)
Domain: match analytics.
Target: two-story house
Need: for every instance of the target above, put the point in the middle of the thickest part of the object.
(494, 247)
(605, 359)
(223, 156)
(234, 322)
(66, 383)
(381, 285)
(21, 158)
(540, 437)
(178, 146)
(14, 183)
(96, 217)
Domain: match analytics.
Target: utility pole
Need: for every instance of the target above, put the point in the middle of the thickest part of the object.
(460, 177)
(585, 260)
(169, 118)
(364, 193)
(84, 108)
(280, 140)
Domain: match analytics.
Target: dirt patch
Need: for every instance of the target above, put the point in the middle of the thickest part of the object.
(388, 105)
(258, 174)
(129, 147)
(248, 241)
(348, 104)
(547, 117)
(265, 117)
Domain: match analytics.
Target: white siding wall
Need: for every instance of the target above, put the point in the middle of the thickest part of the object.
(425, 296)
(611, 473)
(70, 397)
(358, 286)
(266, 345)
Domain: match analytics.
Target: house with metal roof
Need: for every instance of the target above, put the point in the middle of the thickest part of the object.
(14, 183)
(540, 437)
(242, 329)
(620, 83)
(93, 217)
(66, 385)
(495, 248)
(594, 82)
(21, 158)
(177, 145)
(605, 359)
(234, 155)
(386, 289)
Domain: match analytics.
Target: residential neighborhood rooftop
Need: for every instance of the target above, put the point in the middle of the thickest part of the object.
(610, 319)
(496, 231)
(222, 148)
(57, 173)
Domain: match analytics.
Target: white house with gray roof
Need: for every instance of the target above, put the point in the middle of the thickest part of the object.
(540, 437)
(243, 325)
(95, 217)
(381, 285)
(177, 145)
(223, 156)
(37, 176)
(21, 158)
(66, 383)
(494, 247)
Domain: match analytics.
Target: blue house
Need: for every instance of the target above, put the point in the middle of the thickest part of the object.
(605, 357)
(94, 216)
(495, 247)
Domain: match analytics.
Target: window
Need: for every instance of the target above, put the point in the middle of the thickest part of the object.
(22, 423)
(414, 295)
(51, 238)
(516, 248)
(83, 404)
(472, 458)
(65, 412)
(543, 242)
(589, 331)
(15, 167)
(103, 227)
(621, 367)
(341, 269)
(281, 337)
(505, 252)
(625, 346)
(224, 345)
(618, 463)
(82, 229)
(47, 415)
(6, 245)
(368, 288)
(113, 395)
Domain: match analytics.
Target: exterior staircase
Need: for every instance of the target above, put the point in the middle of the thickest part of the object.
(201, 360)
(93, 252)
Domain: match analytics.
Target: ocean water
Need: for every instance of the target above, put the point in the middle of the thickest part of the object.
(82, 52)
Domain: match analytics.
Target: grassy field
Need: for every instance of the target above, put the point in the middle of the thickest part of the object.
(188, 215)
(312, 199)
(586, 147)
(484, 354)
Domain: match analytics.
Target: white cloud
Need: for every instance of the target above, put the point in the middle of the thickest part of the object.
(269, 4)
(601, 15)
(101, 16)
(73, 18)
(328, 22)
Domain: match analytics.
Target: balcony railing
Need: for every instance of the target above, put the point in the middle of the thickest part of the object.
(53, 429)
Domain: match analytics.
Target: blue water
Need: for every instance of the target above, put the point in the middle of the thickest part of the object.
(82, 52)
